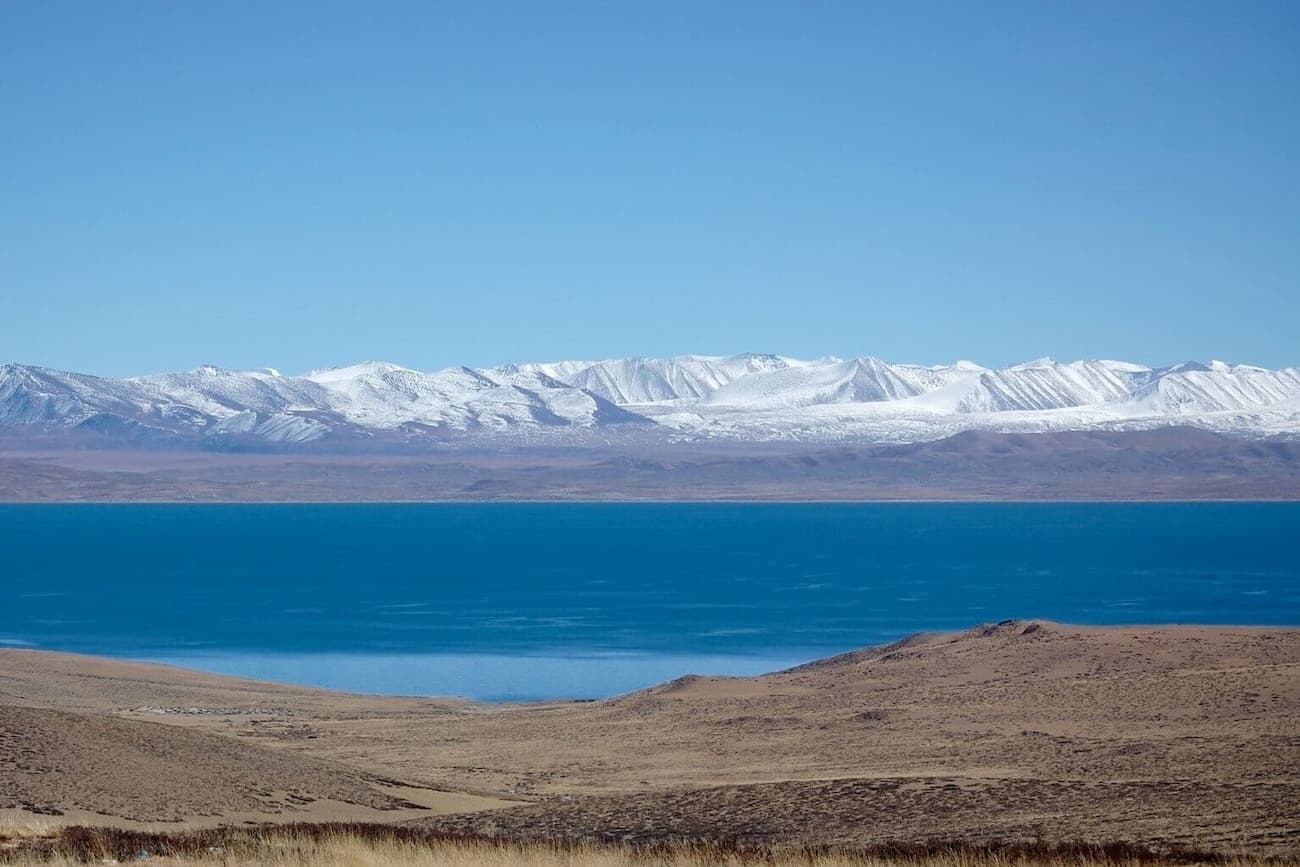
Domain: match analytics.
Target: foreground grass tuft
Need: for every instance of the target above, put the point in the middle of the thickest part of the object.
(358, 845)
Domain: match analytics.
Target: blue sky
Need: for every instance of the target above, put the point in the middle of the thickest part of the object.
(300, 184)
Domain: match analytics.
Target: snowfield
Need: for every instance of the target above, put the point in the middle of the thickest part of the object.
(748, 397)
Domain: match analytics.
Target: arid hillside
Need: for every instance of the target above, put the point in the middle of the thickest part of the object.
(1020, 730)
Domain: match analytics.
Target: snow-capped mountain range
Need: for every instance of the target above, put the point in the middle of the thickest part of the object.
(747, 397)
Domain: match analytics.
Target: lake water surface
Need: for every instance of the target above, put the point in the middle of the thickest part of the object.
(585, 600)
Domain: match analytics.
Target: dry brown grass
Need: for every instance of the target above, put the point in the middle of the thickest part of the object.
(28, 828)
(43, 845)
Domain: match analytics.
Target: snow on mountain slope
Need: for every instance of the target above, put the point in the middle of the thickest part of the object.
(38, 395)
(278, 427)
(1217, 387)
(736, 366)
(929, 378)
(460, 398)
(387, 395)
(859, 380)
(221, 393)
(264, 405)
(561, 370)
(327, 375)
(748, 397)
(649, 380)
(547, 401)
(654, 380)
(1039, 385)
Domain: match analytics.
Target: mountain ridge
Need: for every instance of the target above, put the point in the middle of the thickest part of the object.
(752, 397)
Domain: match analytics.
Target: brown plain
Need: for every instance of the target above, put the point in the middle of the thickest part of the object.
(1024, 730)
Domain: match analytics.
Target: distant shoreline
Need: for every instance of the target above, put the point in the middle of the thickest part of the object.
(751, 501)
(292, 669)
(1182, 465)
(664, 501)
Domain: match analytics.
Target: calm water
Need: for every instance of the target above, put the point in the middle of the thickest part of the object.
(517, 600)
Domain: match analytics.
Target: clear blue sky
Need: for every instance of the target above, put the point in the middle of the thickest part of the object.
(295, 184)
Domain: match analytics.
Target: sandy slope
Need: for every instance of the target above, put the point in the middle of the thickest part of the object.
(1188, 734)
(88, 739)
(57, 760)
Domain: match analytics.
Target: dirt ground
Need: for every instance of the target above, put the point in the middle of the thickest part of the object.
(1019, 730)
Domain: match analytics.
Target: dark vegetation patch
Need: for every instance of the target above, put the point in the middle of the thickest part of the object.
(92, 845)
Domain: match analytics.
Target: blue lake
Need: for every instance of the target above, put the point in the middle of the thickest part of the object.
(583, 600)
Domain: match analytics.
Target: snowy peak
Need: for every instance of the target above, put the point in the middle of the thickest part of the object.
(387, 396)
(1217, 387)
(221, 393)
(352, 371)
(737, 366)
(1042, 385)
(1045, 362)
(932, 377)
(39, 395)
(646, 380)
(750, 396)
(651, 380)
(859, 380)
